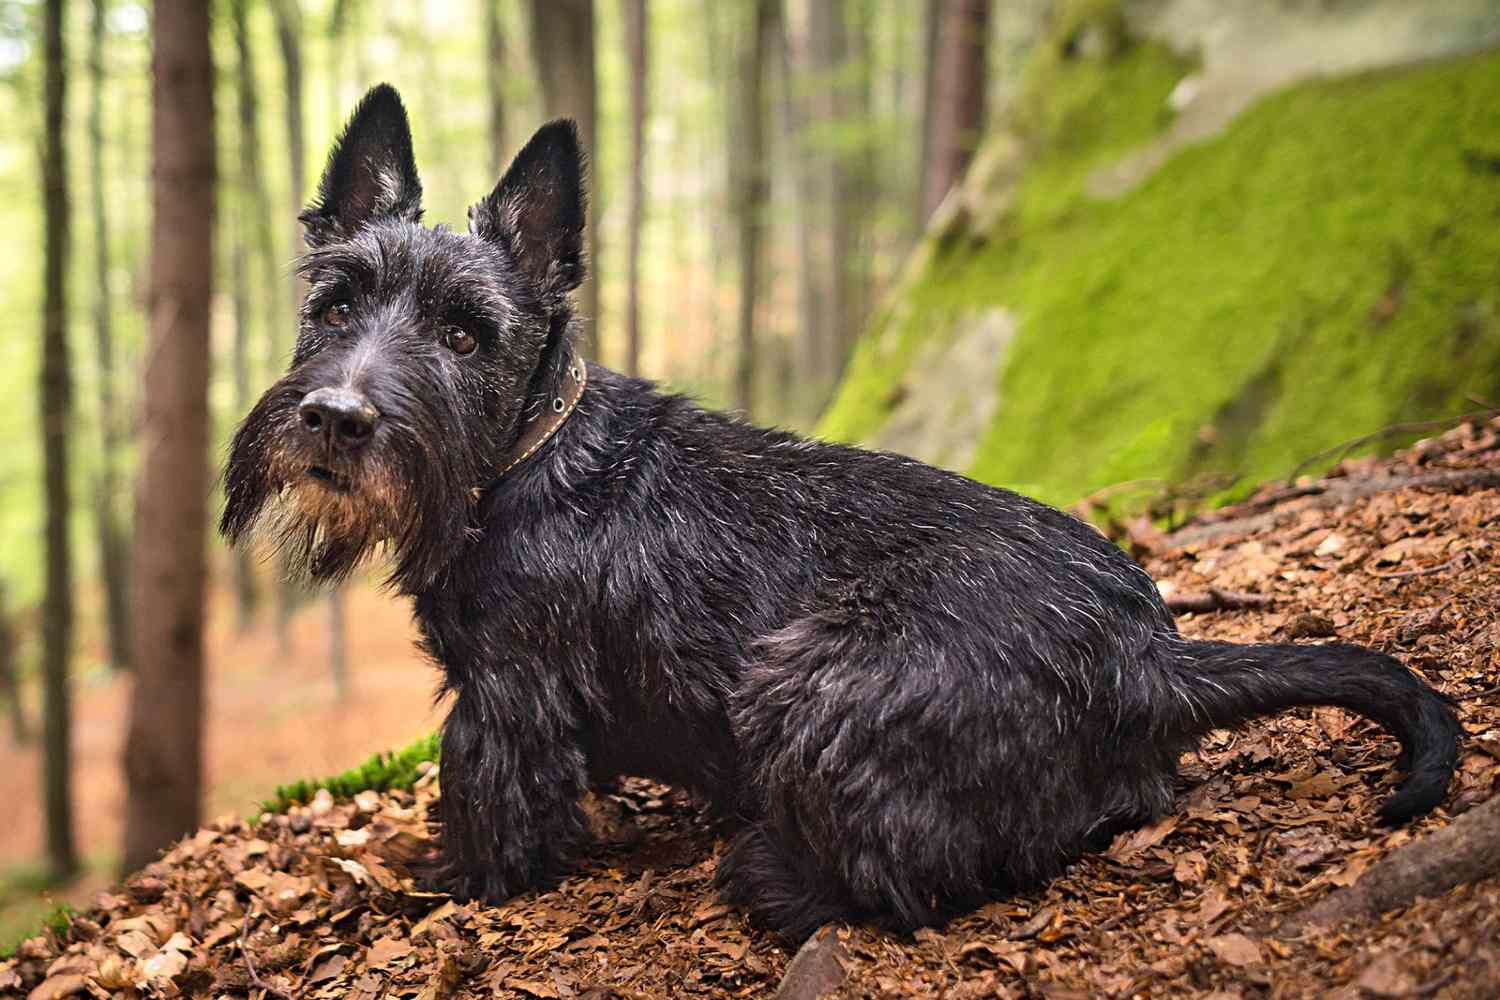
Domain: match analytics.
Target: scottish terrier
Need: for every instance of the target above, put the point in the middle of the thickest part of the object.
(906, 692)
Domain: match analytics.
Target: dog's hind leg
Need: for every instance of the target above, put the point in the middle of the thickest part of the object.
(874, 778)
(780, 890)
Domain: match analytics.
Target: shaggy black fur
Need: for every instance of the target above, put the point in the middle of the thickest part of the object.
(907, 691)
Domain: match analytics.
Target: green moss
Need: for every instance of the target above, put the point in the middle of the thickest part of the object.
(1082, 113)
(54, 919)
(382, 772)
(1327, 266)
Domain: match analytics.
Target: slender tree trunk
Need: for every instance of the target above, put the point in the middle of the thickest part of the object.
(288, 17)
(716, 207)
(249, 202)
(752, 192)
(113, 552)
(338, 654)
(857, 183)
(636, 50)
(163, 750)
(10, 675)
(811, 293)
(932, 17)
(828, 54)
(494, 74)
(956, 115)
(57, 404)
(562, 36)
(338, 661)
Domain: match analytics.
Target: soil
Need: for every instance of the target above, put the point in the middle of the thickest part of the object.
(1270, 818)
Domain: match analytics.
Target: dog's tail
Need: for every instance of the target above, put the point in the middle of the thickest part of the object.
(1220, 684)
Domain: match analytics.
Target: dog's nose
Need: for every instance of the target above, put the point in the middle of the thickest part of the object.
(343, 416)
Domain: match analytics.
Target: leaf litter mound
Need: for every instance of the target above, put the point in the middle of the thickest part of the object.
(1398, 554)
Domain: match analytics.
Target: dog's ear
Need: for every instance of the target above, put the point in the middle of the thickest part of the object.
(537, 210)
(370, 174)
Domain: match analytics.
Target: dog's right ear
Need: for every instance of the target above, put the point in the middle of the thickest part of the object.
(371, 172)
(537, 210)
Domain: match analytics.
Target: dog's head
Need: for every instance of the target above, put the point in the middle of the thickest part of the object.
(420, 355)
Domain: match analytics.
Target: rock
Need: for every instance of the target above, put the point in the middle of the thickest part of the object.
(816, 970)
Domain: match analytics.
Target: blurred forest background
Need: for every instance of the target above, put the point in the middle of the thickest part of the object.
(1138, 254)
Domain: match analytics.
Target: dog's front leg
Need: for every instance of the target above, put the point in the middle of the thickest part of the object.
(512, 773)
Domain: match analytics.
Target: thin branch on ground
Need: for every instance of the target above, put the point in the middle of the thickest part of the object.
(1341, 451)
(1215, 599)
(1424, 571)
(255, 980)
(1328, 493)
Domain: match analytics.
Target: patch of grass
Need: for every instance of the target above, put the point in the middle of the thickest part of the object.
(53, 917)
(382, 772)
(1327, 266)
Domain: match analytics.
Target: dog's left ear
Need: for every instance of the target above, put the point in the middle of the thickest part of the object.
(371, 172)
(537, 211)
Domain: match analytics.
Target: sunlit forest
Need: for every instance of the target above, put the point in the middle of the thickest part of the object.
(1167, 265)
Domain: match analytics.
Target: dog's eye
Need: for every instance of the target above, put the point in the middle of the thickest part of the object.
(459, 340)
(336, 315)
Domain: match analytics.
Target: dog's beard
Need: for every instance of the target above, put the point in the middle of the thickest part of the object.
(325, 528)
(324, 521)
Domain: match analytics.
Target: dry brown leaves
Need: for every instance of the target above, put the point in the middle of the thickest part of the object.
(322, 905)
(1269, 818)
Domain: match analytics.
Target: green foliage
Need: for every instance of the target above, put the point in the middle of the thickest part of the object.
(1325, 267)
(382, 772)
(55, 919)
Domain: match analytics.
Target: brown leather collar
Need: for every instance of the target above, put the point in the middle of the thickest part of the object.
(559, 408)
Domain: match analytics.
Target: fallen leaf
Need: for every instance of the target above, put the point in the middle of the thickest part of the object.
(1235, 949)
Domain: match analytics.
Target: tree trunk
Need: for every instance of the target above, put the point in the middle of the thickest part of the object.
(288, 17)
(57, 402)
(751, 192)
(163, 750)
(637, 54)
(827, 224)
(562, 38)
(10, 675)
(249, 202)
(956, 117)
(716, 205)
(494, 71)
(113, 553)
(932, 16)
(338, 656)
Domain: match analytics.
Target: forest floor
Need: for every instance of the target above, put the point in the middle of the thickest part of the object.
(315, 903)
(271, 717)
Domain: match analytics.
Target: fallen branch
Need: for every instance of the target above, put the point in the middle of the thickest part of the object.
(1466, 850)
(1330, 493)
(1215, 600)
(1425, 571)
(1339, 452)
(255, 979)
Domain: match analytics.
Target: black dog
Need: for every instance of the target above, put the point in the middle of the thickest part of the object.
(910, 691)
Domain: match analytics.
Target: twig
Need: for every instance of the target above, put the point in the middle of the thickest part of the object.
(255, 979)
(1415, 427)
(1331, 493)
(1109, 492)
(1425, 571)
(1215, 600)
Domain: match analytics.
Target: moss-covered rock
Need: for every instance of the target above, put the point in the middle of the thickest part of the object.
(1327, 265)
